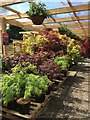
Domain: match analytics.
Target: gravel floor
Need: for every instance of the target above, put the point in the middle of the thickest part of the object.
(71, 100)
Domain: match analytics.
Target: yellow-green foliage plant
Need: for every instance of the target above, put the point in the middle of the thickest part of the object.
(73, 50)
(30, 41)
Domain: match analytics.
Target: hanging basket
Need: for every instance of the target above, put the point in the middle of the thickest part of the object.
(37, 19)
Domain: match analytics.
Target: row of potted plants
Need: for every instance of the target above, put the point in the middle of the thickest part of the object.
(20, 87)
(63, 29)
(31, 76)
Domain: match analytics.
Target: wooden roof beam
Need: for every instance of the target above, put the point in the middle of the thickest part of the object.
(54, 11)
(55, 21)
(57, 25)
(70, 14)
(79, 31)
(59, 20)
(11, 2)
(16, 23)
(77, 8)
(12, 10)
(70, 4)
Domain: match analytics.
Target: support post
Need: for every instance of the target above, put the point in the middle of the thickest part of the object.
(0, 36)
(4, 51)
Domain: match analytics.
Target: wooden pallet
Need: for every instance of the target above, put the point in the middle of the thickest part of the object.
(34, 109)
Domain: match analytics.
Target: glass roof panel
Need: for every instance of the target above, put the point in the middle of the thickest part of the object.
(55, 4)
(75, 2)
(24, 20)
(22, 7)
(82, 13)
(84, 20)
(5, 12)
(63, 15)
(71, 22)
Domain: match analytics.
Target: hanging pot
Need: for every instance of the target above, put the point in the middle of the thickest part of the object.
(37, 19)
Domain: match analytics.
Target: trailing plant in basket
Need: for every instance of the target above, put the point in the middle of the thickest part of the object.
(37, 10)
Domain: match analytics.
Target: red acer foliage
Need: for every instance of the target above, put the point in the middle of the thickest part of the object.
(55, 43)
(85, 48)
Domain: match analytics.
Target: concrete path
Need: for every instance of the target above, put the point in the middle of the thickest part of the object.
(71, 100)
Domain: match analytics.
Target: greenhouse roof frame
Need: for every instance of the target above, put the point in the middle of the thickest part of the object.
(80, 28)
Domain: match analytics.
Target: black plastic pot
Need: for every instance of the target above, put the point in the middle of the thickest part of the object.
(40, 98)
(64, 72)
(62, 33)
(48, 91)
(12, 105)
(23, 106)
(53, 86)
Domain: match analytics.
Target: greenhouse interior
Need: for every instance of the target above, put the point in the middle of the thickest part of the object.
(44, 59)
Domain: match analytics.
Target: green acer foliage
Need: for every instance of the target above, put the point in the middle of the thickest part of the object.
(11, 85)
(24, 67)
(75, 36)
(63, 61)
(36, 85)
(24, 85)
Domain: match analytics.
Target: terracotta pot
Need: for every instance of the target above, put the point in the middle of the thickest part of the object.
(37, 19)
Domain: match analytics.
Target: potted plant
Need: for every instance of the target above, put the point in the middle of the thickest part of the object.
(62, 61)
(39, 95)
(23, 105)
(39, 87)
(53, 86)
(37, 13)
(68, 33)
(44, 84)
(72, 36)
(10, 91)
(62, 29)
